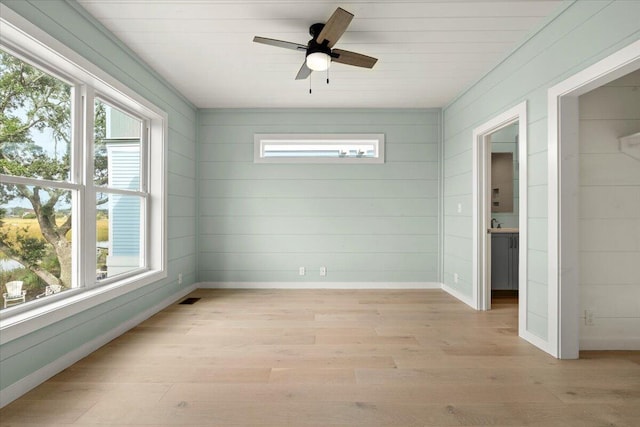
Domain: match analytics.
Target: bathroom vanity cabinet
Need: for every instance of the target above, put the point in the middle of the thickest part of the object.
(504, 260)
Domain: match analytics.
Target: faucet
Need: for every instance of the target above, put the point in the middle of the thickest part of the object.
(493, 226)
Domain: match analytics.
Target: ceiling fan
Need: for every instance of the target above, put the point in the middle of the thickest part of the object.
(319, 52)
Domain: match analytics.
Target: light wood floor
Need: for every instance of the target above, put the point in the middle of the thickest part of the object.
(333, 358)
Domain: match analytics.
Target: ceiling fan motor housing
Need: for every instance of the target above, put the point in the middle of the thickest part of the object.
(315, 29)
(313, 45)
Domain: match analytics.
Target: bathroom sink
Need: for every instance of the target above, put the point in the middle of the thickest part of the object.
(504, 230)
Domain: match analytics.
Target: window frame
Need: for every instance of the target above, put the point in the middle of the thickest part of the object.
(142, 191)
(21, 38)
(260, 140)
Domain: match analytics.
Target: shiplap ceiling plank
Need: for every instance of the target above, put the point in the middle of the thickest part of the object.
(428, 51)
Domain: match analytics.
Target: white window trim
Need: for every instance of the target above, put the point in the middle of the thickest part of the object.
(260, 140)
(21, 35)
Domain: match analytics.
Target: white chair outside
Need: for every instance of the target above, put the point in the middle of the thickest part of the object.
(50, 290)
(14, 295)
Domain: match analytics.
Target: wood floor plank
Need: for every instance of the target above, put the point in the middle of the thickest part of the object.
(312, 376)
(332, 358)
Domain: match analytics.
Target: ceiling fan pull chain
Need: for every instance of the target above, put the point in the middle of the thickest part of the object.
(309, 85)
(328, 60)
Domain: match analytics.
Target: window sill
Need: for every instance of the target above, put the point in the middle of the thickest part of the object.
(24, 323)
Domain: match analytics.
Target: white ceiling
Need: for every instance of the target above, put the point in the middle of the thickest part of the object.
(428, 51)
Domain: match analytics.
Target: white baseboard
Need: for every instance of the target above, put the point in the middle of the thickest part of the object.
(319, 285)
(459, 295)
(632, 344)
(22, 386)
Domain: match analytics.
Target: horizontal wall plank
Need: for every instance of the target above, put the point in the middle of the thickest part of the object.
(181, 144)
(317, 225)
(610, 202)
(347, 189)
(328, 117)
(378, 262)
(181, 246)
(182, 186)
(611, 301)
(393, 133)
(621, 268)
(319, 243)
(609, 170)
(621, 234)
(417, 170)
(365, 276)
(325, 207)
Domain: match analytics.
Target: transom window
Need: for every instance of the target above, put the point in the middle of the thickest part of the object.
(82, 193)
(319, 148)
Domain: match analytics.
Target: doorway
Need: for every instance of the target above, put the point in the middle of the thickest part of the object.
(563, 206)
(503, 210)
(499, 215)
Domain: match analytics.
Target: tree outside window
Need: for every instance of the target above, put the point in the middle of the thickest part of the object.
(36, 215)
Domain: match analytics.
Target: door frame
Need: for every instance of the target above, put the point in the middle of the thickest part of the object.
(481, 209)
(563, 178)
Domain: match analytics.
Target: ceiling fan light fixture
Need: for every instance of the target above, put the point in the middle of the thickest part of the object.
(318, 61)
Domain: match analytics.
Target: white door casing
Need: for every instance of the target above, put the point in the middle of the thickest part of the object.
(563, 179)
(482, 215)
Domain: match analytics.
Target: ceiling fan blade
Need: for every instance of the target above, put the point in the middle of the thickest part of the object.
(280, 43)
(335, 27)
(304, 72)
(352, 58)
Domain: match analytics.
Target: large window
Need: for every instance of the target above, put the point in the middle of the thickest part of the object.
(82, 193)
(37, 191)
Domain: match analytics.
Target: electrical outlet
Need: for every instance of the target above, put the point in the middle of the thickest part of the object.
(456, 278)
(323, 271)
(589, 318)
(180, 279)
(459, 207)
(302, 271)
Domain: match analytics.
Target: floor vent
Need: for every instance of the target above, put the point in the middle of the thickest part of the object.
(190, 301)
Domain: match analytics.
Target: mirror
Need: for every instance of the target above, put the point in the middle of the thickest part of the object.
(504, 171)
(501, 182)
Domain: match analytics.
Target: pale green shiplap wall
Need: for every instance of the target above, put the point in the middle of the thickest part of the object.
(69, 24)
(365, 223)
(580, 35)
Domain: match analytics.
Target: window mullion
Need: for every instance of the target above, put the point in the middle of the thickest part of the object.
(88, 256)
(21, 180)
(144, 157)
(121, 191)
(77, 150)
(144, 188)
